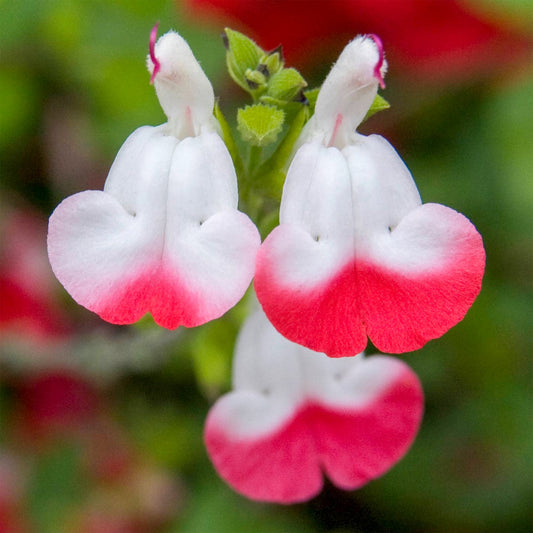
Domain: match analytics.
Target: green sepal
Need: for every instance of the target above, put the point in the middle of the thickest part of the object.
(379, 104)
(311, 95)
(229, 141)
(255, 80)
(271, 174)
(271, 63)
(242, 55)
(260, 124)
(287, 85)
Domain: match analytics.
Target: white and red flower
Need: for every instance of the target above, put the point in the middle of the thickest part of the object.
(356, 253)
(165, 235)
(295, 414)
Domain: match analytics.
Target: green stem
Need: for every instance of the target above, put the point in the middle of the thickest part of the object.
(253, 161)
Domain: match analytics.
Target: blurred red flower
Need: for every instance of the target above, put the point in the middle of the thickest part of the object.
(58, 400)
(29, 309)
(433, 39)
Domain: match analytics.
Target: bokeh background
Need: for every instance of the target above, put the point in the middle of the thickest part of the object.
(101, 426)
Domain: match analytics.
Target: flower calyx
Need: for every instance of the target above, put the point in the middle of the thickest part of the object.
(261, 73)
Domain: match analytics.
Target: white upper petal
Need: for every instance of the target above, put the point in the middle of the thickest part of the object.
(317, 193)
(163, 181)
(348, 91)
(183, 89)
(383, 189)
(316, 215)
(139, 176)
(202, 180)
(337, 205)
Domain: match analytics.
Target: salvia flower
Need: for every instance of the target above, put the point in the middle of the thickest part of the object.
(295, 414)
(165, 235)
(356, 253)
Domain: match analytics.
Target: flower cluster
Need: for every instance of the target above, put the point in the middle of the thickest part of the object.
(356, 255)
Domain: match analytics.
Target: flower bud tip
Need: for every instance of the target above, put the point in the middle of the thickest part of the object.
(379, 64)
(157, 65)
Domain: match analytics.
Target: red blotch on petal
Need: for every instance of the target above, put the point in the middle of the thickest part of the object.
(280, 467)
(399, 310)
(324, 318)
(352, 446)
(403, 313)
(162, 294)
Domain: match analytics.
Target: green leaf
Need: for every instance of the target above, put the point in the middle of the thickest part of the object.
(229, 141)
(287, 86)
(242, 55)
(379, 104)
(260, 124)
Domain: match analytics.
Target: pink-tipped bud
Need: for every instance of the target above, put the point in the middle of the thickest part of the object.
(157, 65)
(379, 64)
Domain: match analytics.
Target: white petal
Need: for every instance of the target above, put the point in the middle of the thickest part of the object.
(316, 217)
(268, 363)
(265, 361)
(140, 169)
(382, 187)
(350, 382)
(202, 181)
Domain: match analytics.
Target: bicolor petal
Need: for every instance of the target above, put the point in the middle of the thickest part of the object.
(165, 235)
(356, 253)
(295, 415)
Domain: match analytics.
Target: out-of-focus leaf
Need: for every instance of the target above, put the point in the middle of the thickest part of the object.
(216, 508)
(56, 485)
(211, 355)
(18, 105)
(165, 433)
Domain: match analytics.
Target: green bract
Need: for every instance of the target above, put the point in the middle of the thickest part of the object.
(242, 56)
(271, 63)
(285, 86)
(379, 104)
(260, 124)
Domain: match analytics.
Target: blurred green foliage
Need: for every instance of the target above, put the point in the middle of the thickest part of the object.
(470, 468)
